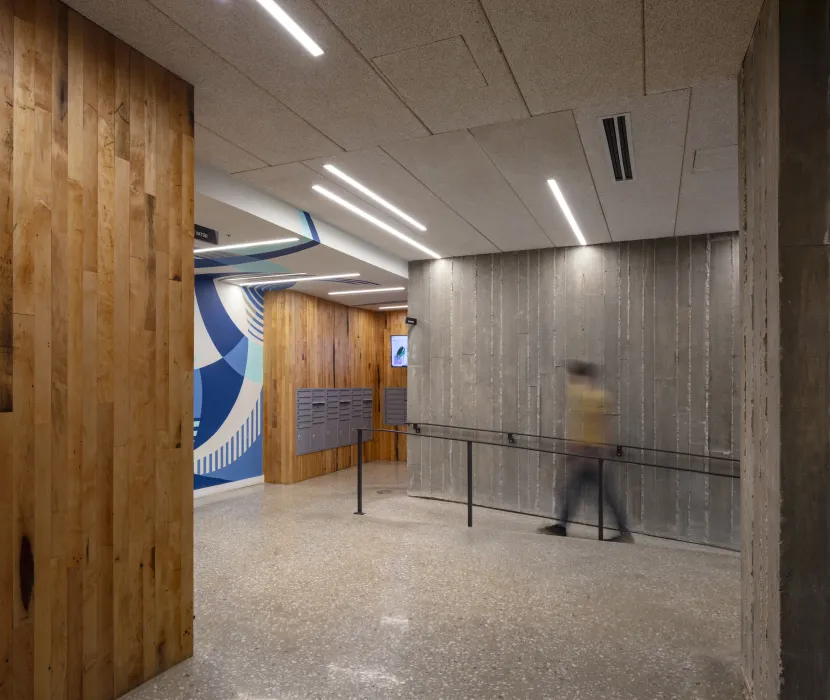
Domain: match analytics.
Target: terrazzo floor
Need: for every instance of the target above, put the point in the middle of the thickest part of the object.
(298, 598)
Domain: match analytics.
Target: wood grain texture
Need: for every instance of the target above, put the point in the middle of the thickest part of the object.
(91, 573)
(311, 342)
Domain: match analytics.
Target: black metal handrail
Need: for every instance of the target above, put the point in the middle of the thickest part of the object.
(600, 466)
(510, 434)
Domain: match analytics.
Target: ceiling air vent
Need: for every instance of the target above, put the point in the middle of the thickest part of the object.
(617, 130)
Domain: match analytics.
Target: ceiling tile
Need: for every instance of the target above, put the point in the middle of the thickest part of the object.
(293, 182)
(531, 151)
(570, 52)
(428, 34)
(457, 170)
(709, 197)
(693, 42)
(216, 152)
(227, 102)
(447, 233)
(339, 92)
(646, 206)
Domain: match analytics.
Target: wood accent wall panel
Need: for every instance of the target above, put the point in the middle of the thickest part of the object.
(311, 342)
(96, 336)
(392, 447)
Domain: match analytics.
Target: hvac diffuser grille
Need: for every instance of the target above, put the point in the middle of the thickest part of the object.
(617, 130)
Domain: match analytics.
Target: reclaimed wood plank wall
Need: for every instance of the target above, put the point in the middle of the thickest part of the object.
(392, 447)
(96, 341)
(311, 342)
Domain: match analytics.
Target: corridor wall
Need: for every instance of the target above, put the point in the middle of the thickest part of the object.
(96, 294)
(494, 335)
(227, 384)
(314, 343)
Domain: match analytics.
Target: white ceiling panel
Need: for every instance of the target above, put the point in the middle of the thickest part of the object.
(339, 92)
(227, 102)
(646, 206)
(709, 189)
(440, 55)
(293, 182)
(570, 52)
(693, 42)
(216, 152)
(447, 233)
(529, 152)
(457, 170)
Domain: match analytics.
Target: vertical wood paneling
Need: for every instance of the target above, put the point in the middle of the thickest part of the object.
(311, 342)
(658, 316)
(88, 393)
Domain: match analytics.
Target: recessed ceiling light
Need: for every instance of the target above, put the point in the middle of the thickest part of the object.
(236, 246)
(376, 197)
(390, 308)
(377, 222)
(291, 27)
(368, 291)
(289, 280)
(566, 210)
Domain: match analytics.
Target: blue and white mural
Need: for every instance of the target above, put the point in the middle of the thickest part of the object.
(227, 383)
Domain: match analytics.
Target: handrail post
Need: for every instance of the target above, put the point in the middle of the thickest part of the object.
(601, 501)
(469, 483)
(359, 471)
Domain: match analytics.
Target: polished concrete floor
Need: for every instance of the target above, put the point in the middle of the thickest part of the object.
(298, 598)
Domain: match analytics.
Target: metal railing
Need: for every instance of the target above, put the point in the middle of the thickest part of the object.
(601, 462)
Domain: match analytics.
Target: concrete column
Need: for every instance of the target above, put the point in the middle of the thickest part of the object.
(785, 170)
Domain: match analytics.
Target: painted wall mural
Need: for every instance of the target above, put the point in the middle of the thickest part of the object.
(227, 383)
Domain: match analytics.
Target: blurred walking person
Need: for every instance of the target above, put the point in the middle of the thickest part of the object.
(587, 440)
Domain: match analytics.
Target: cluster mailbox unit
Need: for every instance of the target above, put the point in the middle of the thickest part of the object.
(329, 418)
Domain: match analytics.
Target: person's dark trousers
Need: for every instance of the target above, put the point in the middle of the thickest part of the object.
(584, 471)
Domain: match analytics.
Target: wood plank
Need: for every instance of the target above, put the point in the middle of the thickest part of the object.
(7, 549)
(24, 147)
(75, 103)
(122, 101)
(90, 148)
(138, 216)
(175, 216)
(6, 242)
(45, 27)
(7, 37)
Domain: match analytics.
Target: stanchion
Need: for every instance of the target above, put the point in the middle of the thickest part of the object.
(469, 484)
(359, 471)
(601, 501)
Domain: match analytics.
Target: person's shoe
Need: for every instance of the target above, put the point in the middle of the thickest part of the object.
(625, 537)
(558, 530)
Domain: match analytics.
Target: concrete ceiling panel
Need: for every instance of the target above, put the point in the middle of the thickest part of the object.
(447, 233)
(688, 43)
(339, 92)
(441, 56)
(214, 151)
(709, 195)
(530, 151)
(571, 52)
(293, 182)
(457, 170)
(646, 206)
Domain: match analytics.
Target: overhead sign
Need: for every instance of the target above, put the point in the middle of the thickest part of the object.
(206, 235)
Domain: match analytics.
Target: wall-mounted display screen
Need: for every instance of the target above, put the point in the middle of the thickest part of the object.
(400, 351)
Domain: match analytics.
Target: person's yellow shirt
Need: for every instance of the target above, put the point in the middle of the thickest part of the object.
(586, 414)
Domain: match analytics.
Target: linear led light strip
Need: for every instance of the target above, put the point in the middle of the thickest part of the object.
(290, 280)
(264, 275)
(237, 246)
(377, 222)
(390, 308)
(566, 210)
(368, 291)
(291, 27)
(376, 197)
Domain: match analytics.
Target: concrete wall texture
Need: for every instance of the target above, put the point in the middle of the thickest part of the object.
(494, 334)
(785, 315)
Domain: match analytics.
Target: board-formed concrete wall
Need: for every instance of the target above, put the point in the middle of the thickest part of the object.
(494, 334)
